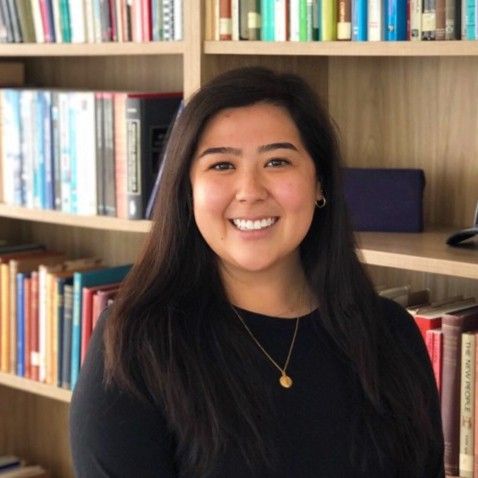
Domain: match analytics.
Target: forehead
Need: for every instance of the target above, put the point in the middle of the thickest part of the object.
(250, 123)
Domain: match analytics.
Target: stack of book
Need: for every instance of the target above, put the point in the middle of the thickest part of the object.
(83, 152)
(449, 328)
(48, 308)
(90, 21)
(325, 20)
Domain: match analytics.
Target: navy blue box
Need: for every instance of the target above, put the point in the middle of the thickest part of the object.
(386, 200)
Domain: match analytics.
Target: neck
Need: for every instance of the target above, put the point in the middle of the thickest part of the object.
(282, 295)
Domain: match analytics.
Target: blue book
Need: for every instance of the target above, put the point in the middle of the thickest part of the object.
(470, 17)
(48, 185)
(267, 20)
(21, 323)
(39, 155)
(359, 20)
(87, 279)
(395, 20)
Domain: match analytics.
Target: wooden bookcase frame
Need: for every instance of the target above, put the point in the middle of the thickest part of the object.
(396, 104)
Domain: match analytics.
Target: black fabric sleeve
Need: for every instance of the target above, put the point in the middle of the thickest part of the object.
(113, 434)
(406, 331)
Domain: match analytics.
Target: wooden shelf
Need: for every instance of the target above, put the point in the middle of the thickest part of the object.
(423, 252)
(34, 387)
(343, 48)
(90, 49)
(56, 217)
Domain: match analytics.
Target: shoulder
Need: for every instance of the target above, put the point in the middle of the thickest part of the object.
(402, 326)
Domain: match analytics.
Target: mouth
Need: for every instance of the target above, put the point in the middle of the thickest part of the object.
(254, 225)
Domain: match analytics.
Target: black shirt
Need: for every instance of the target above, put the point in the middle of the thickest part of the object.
(114, 435)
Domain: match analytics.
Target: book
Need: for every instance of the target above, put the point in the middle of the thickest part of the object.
(453, 326)
(100, 302)
(434, 343)
(80, 280)
(467, 403)
(148, 116)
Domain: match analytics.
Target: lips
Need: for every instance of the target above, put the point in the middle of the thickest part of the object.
(254, 225)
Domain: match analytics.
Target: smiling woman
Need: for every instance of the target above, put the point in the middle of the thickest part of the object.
(248, 339)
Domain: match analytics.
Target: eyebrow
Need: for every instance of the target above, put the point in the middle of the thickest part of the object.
(237, 152)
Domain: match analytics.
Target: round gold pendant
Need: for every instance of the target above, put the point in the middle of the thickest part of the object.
(285, 381)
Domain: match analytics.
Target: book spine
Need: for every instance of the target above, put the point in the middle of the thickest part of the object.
(27, 321)
(294, 26)
(225, 20)
(254, 21)
(54, 350)
(440, 15)
(470, 19)
(120, 155)
(344, 24)
(12, 9)
(438, 358)
(76, 329)
(359, 20)
(168, 20)
(108, 157)
(58, 288)
(429, 20)
(328, 26)
(67, 336)
(49, 181)
(467, 405)
(375, 20)
(20, 348)
(178, 20)
(27, 109)
(280, 20)
(42, 325)
(34, 328)
(86, 322)
(56, 148)
(450, 405)
(113, 21)
(157, 20)
(13, 268)
(243, 11)
(415, 20)
(303, 20)
(396, 21)
(57, 21)
(65, 21)
(5, 318)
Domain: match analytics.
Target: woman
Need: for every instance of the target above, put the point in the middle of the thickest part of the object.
(248, 340)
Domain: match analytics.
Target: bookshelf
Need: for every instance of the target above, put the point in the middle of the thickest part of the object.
(397, 104)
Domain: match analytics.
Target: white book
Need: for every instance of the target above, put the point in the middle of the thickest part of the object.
(280, 20)
(235, 11)
(90, 21)
(27, 117)
(65, 155)
(37, 22)
(77, 21)
(57, 21)
(178, 20)
(85, 153)
(294, 27)
(416, 7)
(375, 20)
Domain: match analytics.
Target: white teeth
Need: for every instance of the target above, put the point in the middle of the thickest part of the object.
(248, 225)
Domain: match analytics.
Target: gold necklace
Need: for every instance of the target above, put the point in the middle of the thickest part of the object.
(284, 379)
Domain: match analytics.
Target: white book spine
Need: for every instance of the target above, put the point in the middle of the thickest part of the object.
(77, 21)
(235, 19)
(89, 20)
(294, 28)
(57, 21)
(37, 22)
(27, 115)
(416, 7)
(375, 20)
(119, 20)
(178, 20)
(65, 173)
(280, 21)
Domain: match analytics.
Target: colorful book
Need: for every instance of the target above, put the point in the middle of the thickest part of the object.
(86, 279)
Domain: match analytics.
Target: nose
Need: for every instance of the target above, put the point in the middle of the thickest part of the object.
(250, 187)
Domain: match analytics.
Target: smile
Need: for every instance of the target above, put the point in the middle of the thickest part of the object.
(257, 225)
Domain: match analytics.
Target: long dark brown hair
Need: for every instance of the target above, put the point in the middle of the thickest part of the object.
(170, 339)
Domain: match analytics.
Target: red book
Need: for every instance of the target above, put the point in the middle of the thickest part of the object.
(146, 20)
(87, 314)
(34, 333)
(45, 20)
(436, 336)
(27, 340)
(225, 20)
(100, 302)
(453, 325)
(113, 21)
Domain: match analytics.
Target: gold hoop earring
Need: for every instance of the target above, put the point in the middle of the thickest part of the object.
(320, 203)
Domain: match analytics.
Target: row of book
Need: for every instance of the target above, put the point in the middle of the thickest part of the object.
(328, 20)
(90, 21)
(449, 328)
(48, 308)
(14, 467)
(83, 152)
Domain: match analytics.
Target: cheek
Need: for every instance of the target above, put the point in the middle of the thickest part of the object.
(298, 196)
(209, 199)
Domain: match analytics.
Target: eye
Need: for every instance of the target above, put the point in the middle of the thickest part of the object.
(221, 166)
(277, 163)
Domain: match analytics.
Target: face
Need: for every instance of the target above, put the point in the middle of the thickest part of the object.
(254, 188)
